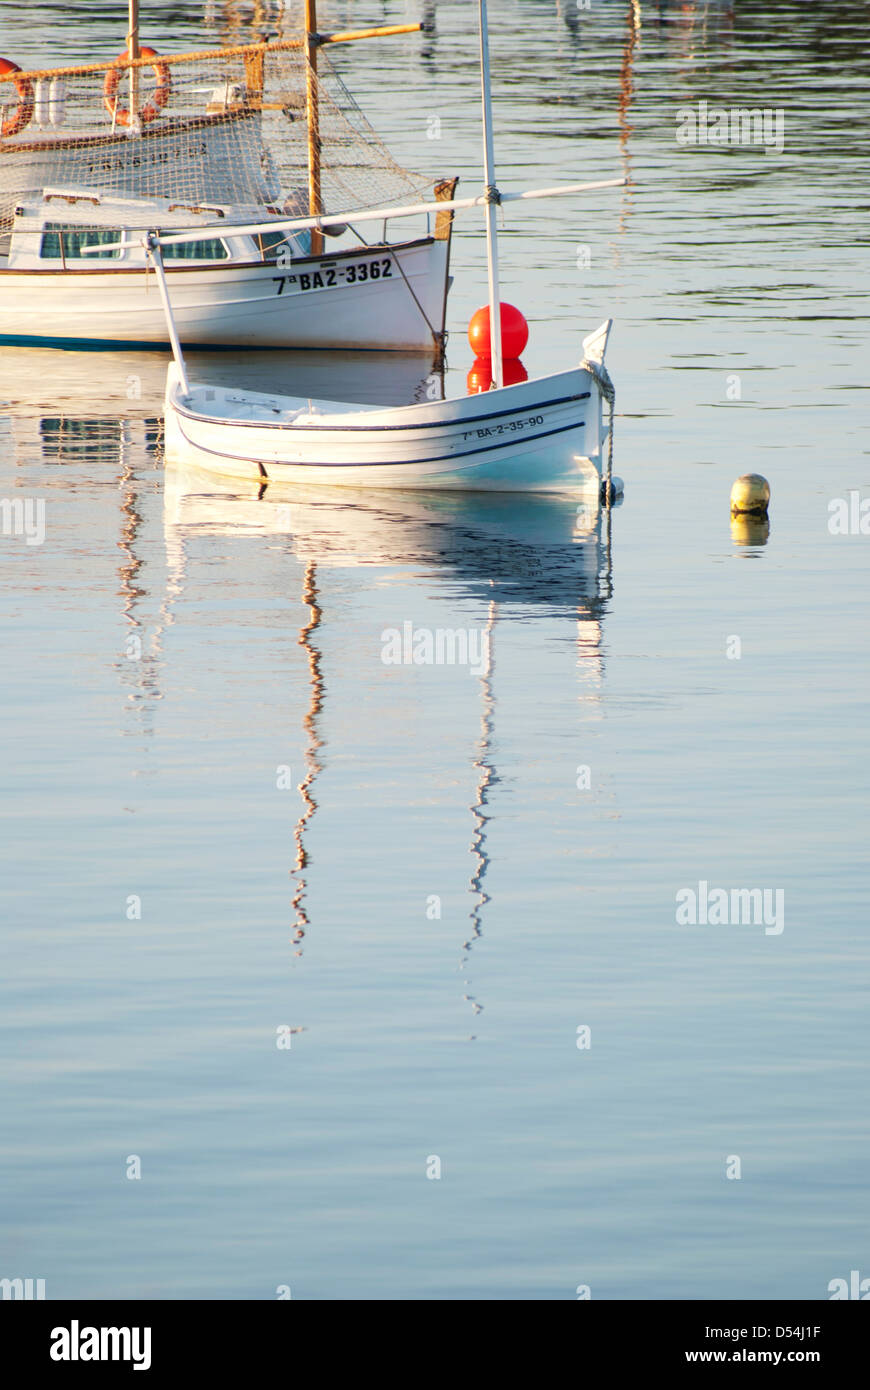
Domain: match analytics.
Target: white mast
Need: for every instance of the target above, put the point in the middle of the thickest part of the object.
(152, 246)
(492, 200)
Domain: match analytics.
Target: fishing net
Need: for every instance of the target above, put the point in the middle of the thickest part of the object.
(224, 126)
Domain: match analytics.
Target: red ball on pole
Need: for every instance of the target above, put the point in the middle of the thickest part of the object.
(514, 332)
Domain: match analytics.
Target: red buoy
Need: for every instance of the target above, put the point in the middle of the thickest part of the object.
(480, 376)
(514, 332)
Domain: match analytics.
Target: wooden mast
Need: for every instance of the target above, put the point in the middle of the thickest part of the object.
(315, 205)
(493, 198)
(133, 54)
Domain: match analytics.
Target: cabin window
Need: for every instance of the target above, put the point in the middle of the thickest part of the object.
(209, 249)
(270, 243)
(63, 242)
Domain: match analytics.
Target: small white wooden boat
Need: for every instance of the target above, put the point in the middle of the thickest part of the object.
(538, 436)
(542, 435)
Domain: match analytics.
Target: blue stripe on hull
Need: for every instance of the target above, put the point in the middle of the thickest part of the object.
(133, 345)
(265, 464)
(82, 344)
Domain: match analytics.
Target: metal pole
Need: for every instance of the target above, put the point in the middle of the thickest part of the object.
(298, 224)
(492, 200)
(152, 246)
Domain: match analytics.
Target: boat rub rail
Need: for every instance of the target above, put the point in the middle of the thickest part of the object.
(476, 420)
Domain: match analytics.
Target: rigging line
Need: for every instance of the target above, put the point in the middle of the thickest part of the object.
(435, 335)
(314, 766)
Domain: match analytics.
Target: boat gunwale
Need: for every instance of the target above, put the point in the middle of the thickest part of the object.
(413, 425)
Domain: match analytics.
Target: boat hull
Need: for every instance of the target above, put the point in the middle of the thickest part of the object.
(537, 436)
(381, 298)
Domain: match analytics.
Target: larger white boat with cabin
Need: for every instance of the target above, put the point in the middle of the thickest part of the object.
(228, 289)
(96, 153)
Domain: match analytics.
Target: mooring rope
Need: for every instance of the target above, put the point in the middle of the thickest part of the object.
(608, 391)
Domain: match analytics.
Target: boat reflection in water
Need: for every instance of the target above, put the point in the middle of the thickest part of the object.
(133, 383)
(550, 553)
(543, 549)
(98, 471)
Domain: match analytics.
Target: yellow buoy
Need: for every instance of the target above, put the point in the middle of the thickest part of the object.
(751, 494)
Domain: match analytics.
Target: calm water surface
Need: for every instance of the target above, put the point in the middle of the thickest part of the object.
(464, 866)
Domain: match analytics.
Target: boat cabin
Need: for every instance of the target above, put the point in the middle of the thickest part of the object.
(50, 233)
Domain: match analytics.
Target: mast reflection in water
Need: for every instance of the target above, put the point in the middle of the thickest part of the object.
(313, 745)
(121, 452)
(520, 557)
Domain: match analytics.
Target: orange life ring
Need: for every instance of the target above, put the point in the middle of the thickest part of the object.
(152, 108)
(22, 113)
